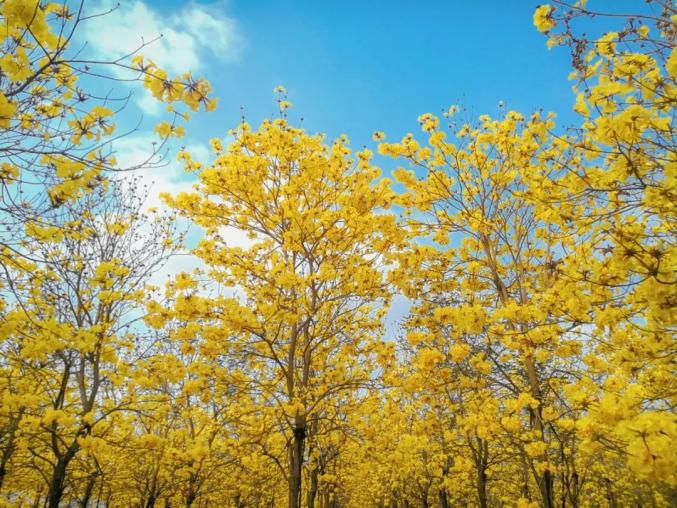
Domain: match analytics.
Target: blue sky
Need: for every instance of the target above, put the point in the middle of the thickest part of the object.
(350, 67)
(354, 67)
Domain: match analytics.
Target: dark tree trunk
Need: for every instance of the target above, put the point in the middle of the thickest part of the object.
(98, 495)
(546, 484)
(191, 495)
(10, 446)
(296, 466)
(573, 490)
(482, 488)
(610, 494)
(89, 489)
(193, 488)
(480, 451)
(312, 493)
(444, 499)
(57, 484)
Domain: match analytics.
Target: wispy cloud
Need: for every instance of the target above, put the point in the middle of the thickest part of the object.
(170, 178)
(193, 38)
(190, 37)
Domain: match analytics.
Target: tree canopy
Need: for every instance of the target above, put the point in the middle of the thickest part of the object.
(536, 364)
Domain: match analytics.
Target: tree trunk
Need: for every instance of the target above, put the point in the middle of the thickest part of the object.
(98, 495)
(545, 481)
(57, 484)
(190, 497)
(312, 493)
(296, 466)
(482, 464)
(444, 499)
(193, 488)
(10, 446)
(610, 494)
(482, 488)
(89, 489)
(573, 490)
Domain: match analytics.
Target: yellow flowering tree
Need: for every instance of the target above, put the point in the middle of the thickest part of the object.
(309, 289)
(623, 184)
(71, 329)
(56, 133)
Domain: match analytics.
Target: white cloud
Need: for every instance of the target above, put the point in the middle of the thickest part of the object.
(176, 264)
(169, 177)
(217, 33)
(183, 40)
(160, 175)
(149, 104)
(187, 36)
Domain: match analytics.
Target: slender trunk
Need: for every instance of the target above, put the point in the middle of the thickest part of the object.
(482, 464)
(546, 484)
(444, 499)
(193, 488)
(573, 490)
(609, 494)
(57, 485)
(312, 493)
(296, 466)
(524, 491)
(545, 480)
(191, 495)
(89, 489)
(482, 488)
(152, 489)
(98, 495)
(10, 446)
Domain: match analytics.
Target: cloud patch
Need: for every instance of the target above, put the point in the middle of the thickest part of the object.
(190, 37)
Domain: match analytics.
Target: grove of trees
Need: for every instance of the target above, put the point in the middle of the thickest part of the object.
(535, 367)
